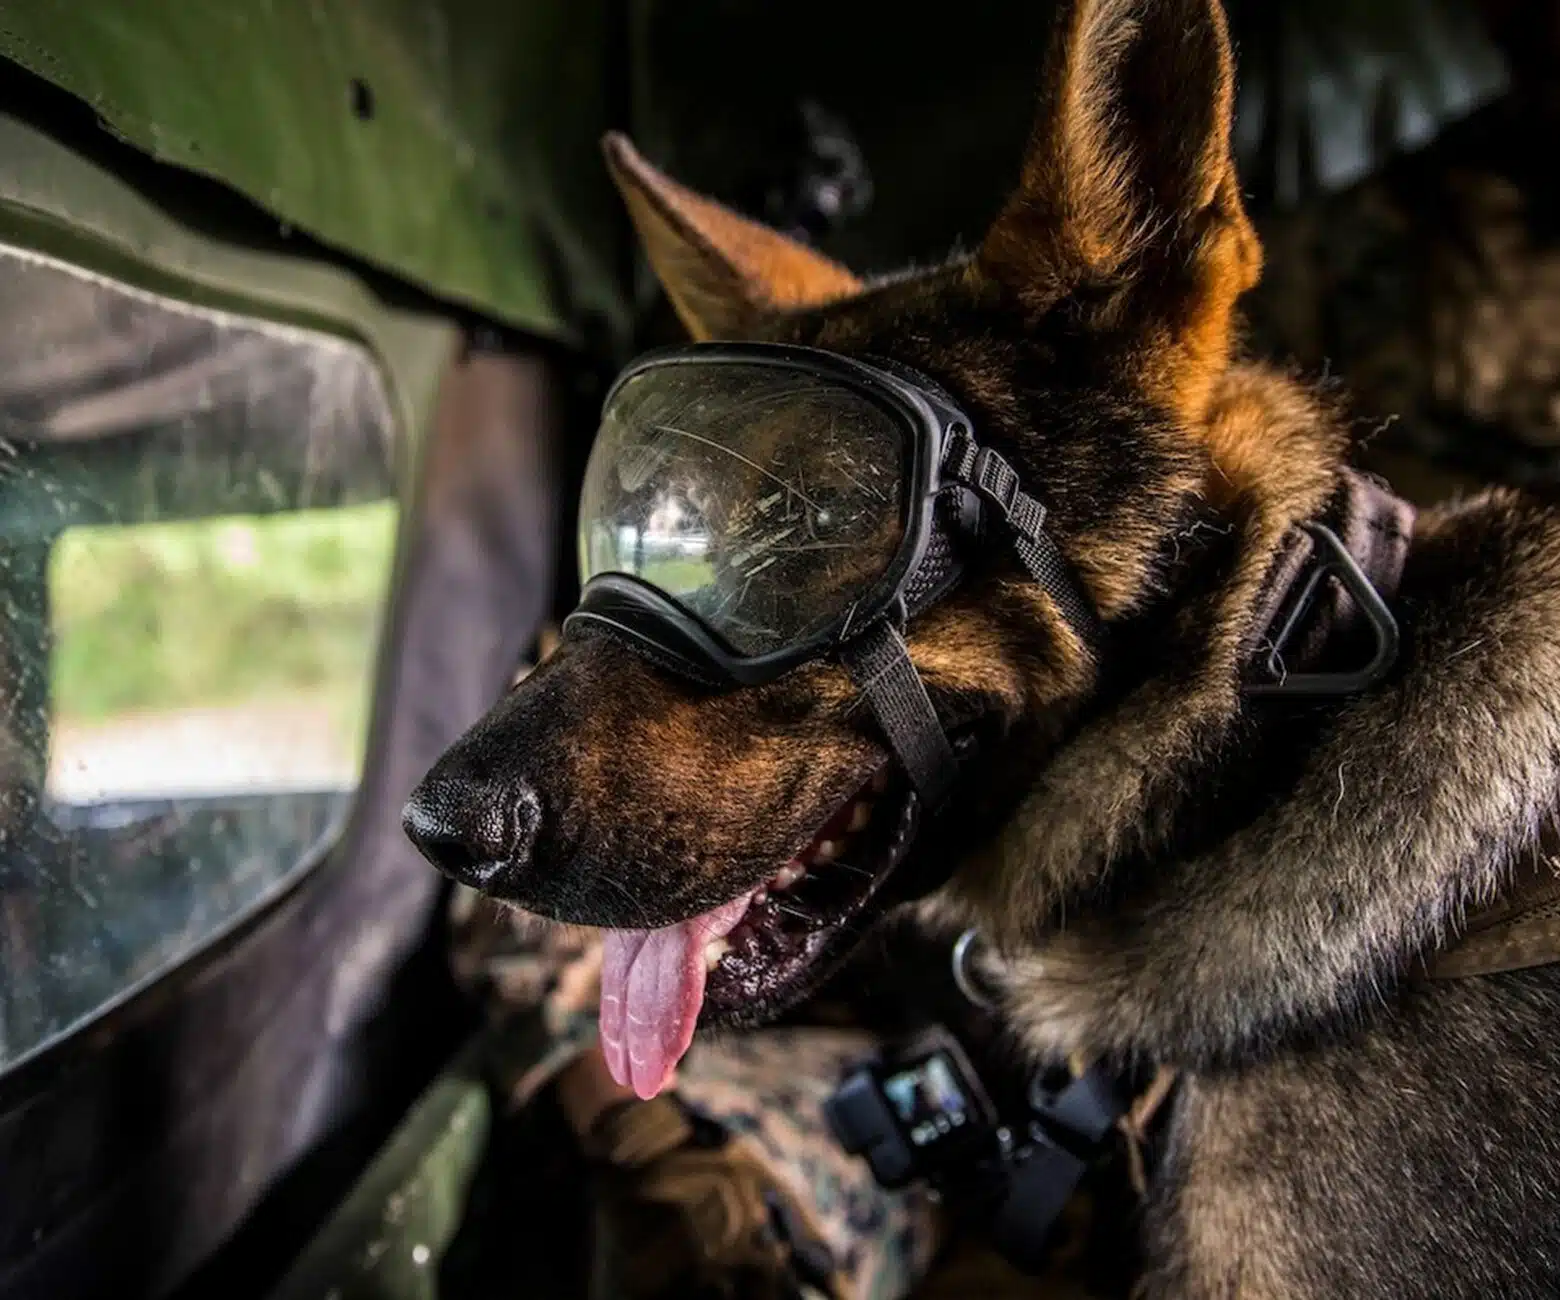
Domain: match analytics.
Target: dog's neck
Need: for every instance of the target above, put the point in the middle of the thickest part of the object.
(1193, 876)
(1115, 790)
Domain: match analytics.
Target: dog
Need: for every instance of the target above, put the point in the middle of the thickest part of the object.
(1171, 870)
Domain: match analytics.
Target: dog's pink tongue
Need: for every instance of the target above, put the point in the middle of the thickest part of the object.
(652, 986)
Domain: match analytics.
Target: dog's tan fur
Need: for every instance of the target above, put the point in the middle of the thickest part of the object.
(1175, 874)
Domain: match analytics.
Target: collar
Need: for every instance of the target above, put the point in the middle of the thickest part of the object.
(1519, 931)
(1322, 627)
(1308, 636)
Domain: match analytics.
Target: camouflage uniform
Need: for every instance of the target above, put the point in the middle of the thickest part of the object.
(748, 1114)
(732, 1185)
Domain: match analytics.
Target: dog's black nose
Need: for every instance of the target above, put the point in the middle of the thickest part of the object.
(472, 831)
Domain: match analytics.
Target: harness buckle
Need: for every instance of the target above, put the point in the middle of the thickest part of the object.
(959, 454)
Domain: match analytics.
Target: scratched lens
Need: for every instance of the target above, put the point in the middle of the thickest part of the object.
(765, 500)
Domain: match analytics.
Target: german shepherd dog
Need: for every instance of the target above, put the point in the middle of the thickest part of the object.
(1172, 871)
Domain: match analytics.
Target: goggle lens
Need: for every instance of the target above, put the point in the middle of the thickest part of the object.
(763, 499)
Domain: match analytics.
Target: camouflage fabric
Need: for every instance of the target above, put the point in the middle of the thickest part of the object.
(510, 965)
(688, 1186)
(685, 1207)
(764, 1089)
(769, 1087)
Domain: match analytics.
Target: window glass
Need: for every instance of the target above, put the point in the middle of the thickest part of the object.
(197, 524)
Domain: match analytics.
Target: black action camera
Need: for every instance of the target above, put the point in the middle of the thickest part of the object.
(920, 1113)
(915, 1113)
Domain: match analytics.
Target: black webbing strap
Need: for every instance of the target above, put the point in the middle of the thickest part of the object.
(1049, 567)
(997, 483)
(879, 663)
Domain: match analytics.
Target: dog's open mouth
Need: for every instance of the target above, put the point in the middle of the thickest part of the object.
(752, 957)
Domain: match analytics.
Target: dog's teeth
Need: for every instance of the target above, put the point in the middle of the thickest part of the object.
(714, 950)
(827, 851)
(860, 815)
(788, 875)
(880, 782)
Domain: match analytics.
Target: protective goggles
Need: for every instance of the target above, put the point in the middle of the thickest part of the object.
(748, 508)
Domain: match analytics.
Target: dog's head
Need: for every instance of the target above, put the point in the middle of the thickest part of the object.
(748, 832)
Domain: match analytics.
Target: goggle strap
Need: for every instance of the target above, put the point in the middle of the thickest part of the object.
(997, 483)
(1049, 567)
(878, 661)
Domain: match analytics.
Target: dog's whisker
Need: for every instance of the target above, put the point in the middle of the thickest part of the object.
(851, 867)
(627, 895)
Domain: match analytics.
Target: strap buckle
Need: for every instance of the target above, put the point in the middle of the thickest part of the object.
(1069, 1128)
(995, 480)
(959, 453)
(992, 479)
(989, 475)
(1330, 558)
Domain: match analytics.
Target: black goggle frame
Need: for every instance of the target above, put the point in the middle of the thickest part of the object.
(631, 607)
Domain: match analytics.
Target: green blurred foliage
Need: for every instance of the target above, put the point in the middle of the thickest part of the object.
(221, 611)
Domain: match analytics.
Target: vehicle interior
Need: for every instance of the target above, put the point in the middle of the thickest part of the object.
(305, 317)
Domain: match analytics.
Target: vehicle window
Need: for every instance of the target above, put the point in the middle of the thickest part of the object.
(197, 526)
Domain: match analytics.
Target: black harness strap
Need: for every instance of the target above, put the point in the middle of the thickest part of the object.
(1331, 579)
(1299, 616)
(1049, 567)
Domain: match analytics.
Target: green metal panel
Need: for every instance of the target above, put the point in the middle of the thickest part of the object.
(450, 142)
(55, 202)
(387, 1240)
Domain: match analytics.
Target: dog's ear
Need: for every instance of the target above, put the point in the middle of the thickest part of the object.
(721, 271)
(1129, 177)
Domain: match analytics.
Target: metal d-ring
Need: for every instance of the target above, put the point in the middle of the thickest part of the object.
(964, 977)
(1331, 559)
